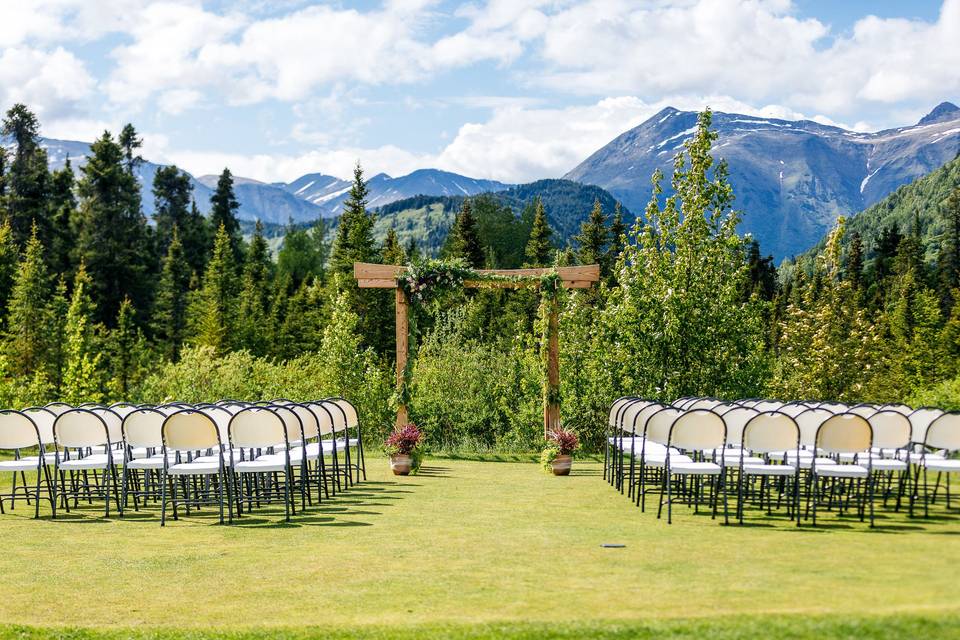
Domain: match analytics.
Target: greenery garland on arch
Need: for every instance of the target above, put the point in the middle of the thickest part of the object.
(427, 281)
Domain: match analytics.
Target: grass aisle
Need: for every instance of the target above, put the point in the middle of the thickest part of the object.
(478, 549)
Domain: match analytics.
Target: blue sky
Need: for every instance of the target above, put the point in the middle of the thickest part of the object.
(508, 89)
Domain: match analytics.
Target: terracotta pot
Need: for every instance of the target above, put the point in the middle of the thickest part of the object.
(401, 464)
(561, 465)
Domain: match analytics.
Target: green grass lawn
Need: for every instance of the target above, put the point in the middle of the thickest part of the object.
(478, 549)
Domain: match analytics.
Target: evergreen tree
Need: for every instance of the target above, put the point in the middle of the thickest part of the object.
(300, 257)
(223, 213)
(413, 250)
(172, 196)
(593, 239)
(212, 312)
(130, 141)
(112, 240)
(82, 376)
(464, 239)
(169, 314)
(948, 259)
(27, 178)
(59, 306)
(9, 259)
(618, 231)
(540, 250)
(253, 325)
(27, 342)
(392, 251)
(761, 274)
(854, 272)
(127, 350)
(62, 206)
(354, 242)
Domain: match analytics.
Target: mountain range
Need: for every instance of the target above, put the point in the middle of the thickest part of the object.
(791, 178)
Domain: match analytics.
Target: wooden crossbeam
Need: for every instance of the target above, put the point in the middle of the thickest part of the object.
(384, 276)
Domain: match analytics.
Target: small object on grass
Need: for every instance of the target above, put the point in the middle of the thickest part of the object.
(612, 545)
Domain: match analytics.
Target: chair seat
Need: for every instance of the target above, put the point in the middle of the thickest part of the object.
(153, 462)
(769, 469)
(660, 461)
(842, 471)
(195, 469)
(806, 463)
(916, 456)
(95, 461)
(694, 468)
(23, 464)
(341, 445)
(887, 464)
(263, 464)
(733, 458)
(942, 465)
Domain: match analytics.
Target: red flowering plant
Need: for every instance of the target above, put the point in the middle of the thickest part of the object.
(560, 442)
(406, 440)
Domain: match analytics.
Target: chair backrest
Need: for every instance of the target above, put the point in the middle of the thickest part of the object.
(899, 408)
(768, 405)
(44, 419)
(864, 410)
(749, 402)
(705, 403)
(835, 407)
(324, 417)
(640, 420)
(350, 411)
(220, 415)
(944, 432)
(338, 414)
(628, 416)
(122, 408)
(698, 429)
(144, 428)
(113, 421)
(291, 422)
(256, 427)
(771, 431)
(793, 409)
(845, 433)
(17, 431)
(736, 420)
(308, 420)
(81, 428)
(613, 416)
(618, 411)
(921, 419)
(658, 424)
(891, 429)
(58, 407)
(190, 430)
(809, 421)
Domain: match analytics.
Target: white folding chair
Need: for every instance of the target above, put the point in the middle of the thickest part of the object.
(944, 434)
(187, 431)
(18, 431)
(696, 430)
(766, 433)
(143, 445)
(261, 428)
(90, 436)
(844, 433)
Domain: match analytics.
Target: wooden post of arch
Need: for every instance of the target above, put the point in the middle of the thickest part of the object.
(384, 276)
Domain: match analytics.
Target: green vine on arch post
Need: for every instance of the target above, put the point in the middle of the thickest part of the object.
(426, 281)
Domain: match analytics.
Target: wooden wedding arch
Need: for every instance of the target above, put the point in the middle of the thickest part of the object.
(384, 276)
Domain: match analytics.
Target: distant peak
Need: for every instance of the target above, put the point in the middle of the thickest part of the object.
(943, 111)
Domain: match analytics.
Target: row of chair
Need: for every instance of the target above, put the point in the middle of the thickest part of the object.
(836, 455)
(230, 453)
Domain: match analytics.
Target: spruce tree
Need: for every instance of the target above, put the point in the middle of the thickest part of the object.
(130, 141)
(392, 251)
(62, 206)
(948, 259)
(82, 376)
(213, 313)
(593, 239)
(57, 359)
(618, 237)
(354, 241)
(540, 250)
(126, 350)
(112, 240)
(27, 341)
(9, 259)
(27, 178)
(172, 193)
(253, 326)
(223, 213)
(169, 313)
(854, 271)
(464, 240)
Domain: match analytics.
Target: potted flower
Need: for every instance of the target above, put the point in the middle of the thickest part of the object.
(558, 455)
(403, 447)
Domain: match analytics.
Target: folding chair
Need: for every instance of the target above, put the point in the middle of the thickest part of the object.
(143, 446)
(87, 432)
(260, 428)
(18, 431)
(844, 433)
(188, 431)
(696, 430)
(943, 433)
(766, 433)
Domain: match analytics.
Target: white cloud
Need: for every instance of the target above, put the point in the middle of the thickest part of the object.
(51, 81)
